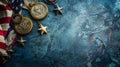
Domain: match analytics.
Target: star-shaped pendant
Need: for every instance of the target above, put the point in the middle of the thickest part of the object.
(21, 41)
(42, 29)
(58, 10)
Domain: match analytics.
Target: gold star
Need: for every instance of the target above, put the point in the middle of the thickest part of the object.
(9, 51)
(21, 41)
(58, 10)
(42, 29)
(4, 55)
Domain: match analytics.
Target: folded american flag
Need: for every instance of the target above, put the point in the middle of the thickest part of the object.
(7, 35)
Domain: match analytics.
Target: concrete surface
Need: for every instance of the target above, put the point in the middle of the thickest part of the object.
(86, 35)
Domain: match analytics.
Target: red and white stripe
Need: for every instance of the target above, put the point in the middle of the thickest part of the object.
(5, 18)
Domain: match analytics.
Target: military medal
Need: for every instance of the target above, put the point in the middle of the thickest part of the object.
(57, 10)
(38, 11)
(22, 25)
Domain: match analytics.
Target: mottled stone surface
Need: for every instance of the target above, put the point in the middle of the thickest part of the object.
(74, 38)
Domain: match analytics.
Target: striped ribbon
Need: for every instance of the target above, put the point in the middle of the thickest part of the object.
(7, 35)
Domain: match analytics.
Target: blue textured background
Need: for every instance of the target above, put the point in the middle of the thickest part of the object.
(67, 41)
